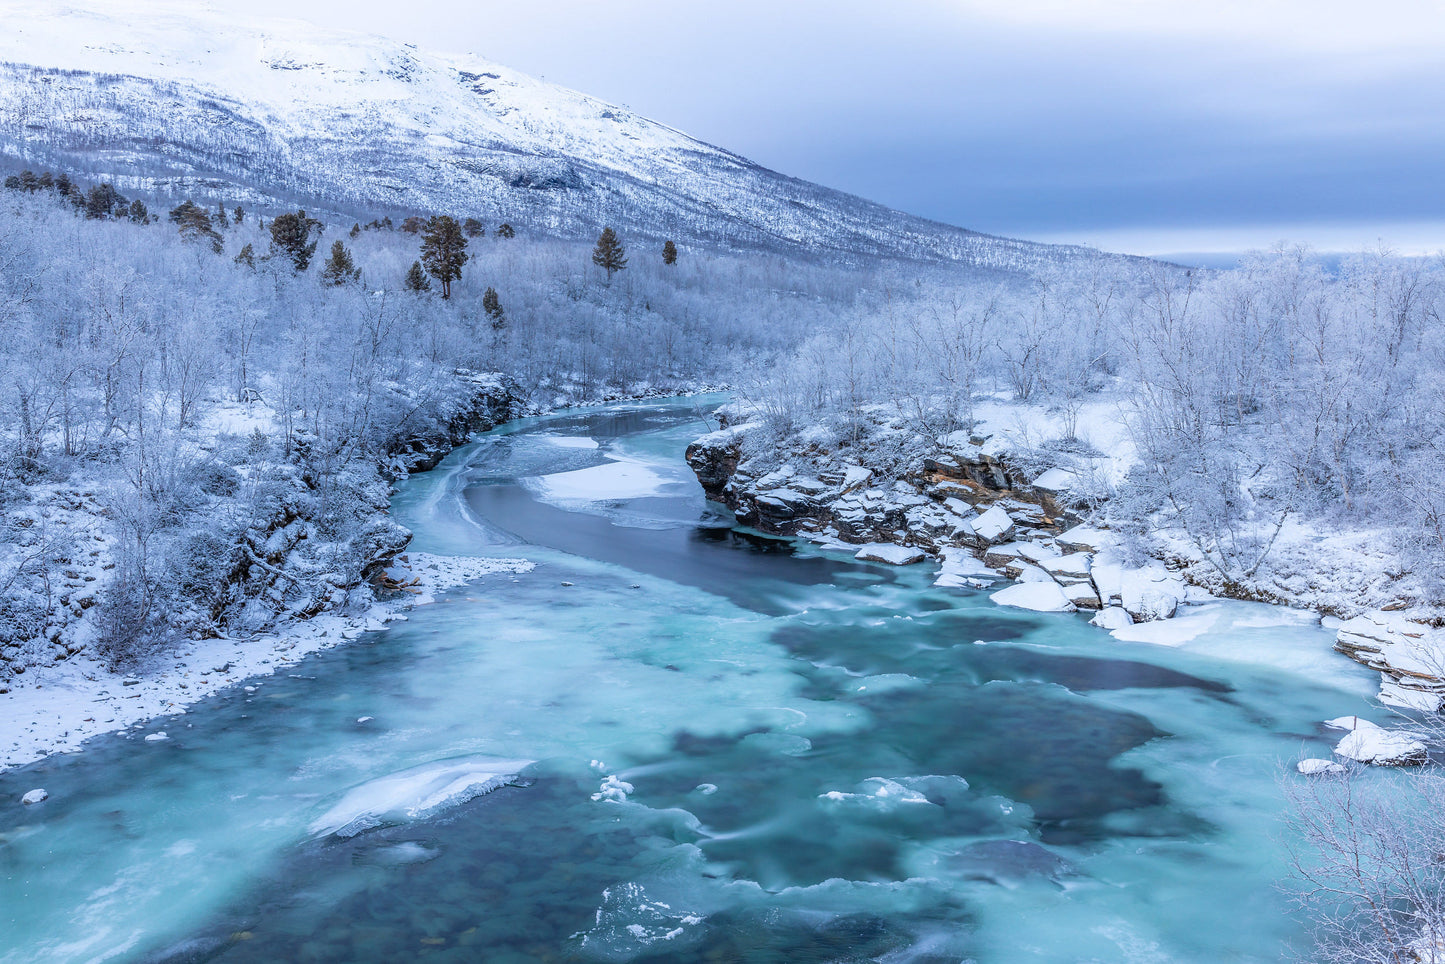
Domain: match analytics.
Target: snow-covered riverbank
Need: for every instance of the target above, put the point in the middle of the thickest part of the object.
(57, 708)
(988, 508)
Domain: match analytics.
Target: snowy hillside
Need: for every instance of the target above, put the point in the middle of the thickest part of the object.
(190, 101)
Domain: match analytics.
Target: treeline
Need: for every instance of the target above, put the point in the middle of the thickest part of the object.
(1259, 400)
(212, 382)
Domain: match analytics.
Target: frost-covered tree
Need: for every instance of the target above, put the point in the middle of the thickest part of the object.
(669, 253)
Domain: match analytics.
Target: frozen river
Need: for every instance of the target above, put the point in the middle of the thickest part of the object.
(701, 745)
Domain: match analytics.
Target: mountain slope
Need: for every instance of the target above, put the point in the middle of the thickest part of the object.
(187, 101)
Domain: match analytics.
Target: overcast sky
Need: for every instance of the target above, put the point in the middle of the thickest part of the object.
(1154, 127)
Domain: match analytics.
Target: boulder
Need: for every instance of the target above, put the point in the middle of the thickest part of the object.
(34, 796)
(1315, 767)
(1371, 743)
(892, 555)
(994, 526)
(1112, 618)
(1042, 597)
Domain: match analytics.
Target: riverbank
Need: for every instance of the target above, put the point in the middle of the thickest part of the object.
(988, 507)
(56, 708)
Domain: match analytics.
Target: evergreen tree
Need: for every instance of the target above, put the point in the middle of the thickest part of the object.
(246, 256)
(64, 185)
(416, 279)
(444, 251)
(669, 253)
(473, 228)
(45, 182)
(339, 269)
(28, 181)
(413, 224)
(239, 214)
(221, 219)
(12, 183)
(138, 212)
(492, 305)
(101, 201)
(194, 224)
(291, 234)
(609, 254)
(356, 231)
(505, 231)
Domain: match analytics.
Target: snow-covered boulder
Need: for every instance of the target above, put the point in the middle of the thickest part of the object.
(1081, 594)
(1041, 597)
(994, 525)
(1410, 654)
(1056, 480)
(1073, 567)
(890, 554)
(1112, 618)
(1147, 593)
(1316, 767)
(35, 796)
(1085, 539)
(157, 737)
(1371, 743)
(960, 568)
(1393, 693)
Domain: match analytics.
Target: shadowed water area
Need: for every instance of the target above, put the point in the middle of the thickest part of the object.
(721, 746)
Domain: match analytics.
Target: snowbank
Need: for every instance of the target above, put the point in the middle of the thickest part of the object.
(57, 708)
(1041, 597)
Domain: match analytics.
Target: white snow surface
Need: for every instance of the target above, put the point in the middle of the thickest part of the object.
(1041, 597)
(415, 793)
(57, 708)
(617, 480)
(890, 554)
(962, 568)
(1371, 743)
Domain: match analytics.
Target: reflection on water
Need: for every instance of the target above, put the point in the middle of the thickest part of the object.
(749, 750)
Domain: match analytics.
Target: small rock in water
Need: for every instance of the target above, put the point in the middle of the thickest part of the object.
(1314, 767)
(34, 796)
(566, 583)
(365, 719)
(156, 737)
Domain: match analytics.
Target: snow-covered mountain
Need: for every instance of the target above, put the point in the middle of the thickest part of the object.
(188, 101)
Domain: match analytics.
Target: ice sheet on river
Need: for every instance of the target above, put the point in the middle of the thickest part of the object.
(416, 793)
(612, 481)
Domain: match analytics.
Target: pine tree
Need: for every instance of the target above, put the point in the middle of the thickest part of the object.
(339, 269)
(12, 183)
(444, 251)
(492, 305)
(239, 214)
(413, 224)
(64, 185)
(609, 254)
(506, 231)
(291, 233)
(669, 253)
(45, 182)
(101, 201)
(138, 212)
(416, 279)
(356, 230)
(28, 181)
(194, 224)
(246, 256)
(221, 219)
(473, 228)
